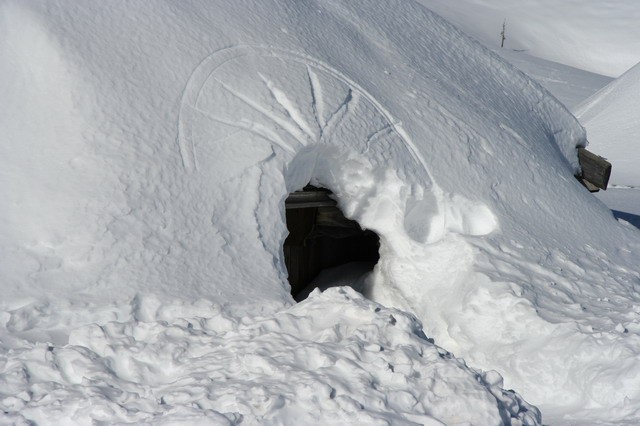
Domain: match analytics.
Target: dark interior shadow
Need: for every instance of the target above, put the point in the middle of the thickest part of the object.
(321, 239)
(631, 218)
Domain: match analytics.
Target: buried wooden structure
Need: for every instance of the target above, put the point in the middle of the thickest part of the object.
(321, 237)
(596, 170)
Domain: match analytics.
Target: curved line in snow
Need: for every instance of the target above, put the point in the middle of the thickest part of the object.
(207, 67)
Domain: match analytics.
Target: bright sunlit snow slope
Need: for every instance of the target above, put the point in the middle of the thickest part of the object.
(612, 118)
(569, 85)
(590, 35)
(618, 144)
(593, 35)
(147, 152)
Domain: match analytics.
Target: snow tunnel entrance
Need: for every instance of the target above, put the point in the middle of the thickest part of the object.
(321, 237)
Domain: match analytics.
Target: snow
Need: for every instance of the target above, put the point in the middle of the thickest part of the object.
(608, 111)
(352, 274)
(624, 203)
(334, 357)
(147, 154)
(602, 37)
(569, 85)
(586, 35)
(611, 118)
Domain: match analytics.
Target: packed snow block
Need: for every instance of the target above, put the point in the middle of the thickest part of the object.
(595, 170)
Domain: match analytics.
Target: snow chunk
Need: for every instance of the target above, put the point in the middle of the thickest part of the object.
(336, 357)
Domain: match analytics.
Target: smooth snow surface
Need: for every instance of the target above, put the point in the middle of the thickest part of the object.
(593, 35)
(624, 203)
(147, 153)
(569, 85)
(612, 120)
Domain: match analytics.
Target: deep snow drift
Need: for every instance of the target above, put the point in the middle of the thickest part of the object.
(147, 154)
(613, 114)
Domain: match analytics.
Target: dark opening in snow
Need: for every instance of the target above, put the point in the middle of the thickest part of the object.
(320, 237)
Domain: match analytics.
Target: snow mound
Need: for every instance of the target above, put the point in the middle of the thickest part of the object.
(148, 150)
(611, 119)
(336, 357)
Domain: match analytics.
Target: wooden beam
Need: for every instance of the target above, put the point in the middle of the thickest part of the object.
(595, 170)
(309, 198)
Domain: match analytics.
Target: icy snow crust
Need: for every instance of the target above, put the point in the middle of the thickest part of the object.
(147, 153)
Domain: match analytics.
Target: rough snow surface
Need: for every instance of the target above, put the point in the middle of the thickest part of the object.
(146, 154)
(334, 358)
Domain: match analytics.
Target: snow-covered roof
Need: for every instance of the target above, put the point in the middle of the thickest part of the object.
(148, 150)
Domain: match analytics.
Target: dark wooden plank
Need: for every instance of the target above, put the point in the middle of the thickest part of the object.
(595, 169)
(306, 199)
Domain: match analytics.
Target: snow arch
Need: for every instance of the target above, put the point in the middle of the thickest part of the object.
(281, 120)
